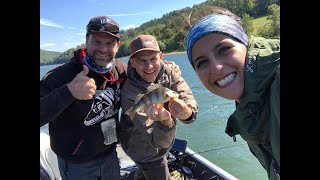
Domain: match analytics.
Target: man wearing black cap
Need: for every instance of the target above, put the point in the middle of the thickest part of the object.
(81, 100)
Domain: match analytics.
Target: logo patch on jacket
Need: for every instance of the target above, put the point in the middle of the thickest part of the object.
(103, 106)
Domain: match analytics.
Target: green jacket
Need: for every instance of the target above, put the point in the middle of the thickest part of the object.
(257, 116)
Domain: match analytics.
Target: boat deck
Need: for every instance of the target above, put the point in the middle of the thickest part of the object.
(126, 164)
(183, 163)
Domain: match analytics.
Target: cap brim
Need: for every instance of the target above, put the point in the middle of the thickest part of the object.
(117, 35)
(144, 49)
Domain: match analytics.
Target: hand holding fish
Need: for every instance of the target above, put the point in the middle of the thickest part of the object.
(156, 94)
(82, 87)
(179, 109)
(157, 112)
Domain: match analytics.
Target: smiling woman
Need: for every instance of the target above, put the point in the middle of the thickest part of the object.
(220, 66)
(245, 70)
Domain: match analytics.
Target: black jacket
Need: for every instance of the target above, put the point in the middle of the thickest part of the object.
(71, 136)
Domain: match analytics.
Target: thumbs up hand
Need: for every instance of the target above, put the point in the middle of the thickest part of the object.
(82, 87)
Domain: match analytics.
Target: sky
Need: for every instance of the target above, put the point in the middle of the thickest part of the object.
(63, 22)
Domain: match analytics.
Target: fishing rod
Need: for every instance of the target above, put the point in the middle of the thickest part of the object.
(200, 152)
(215, 149)
(185, 127)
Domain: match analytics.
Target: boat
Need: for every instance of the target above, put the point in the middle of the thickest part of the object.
(184, 163)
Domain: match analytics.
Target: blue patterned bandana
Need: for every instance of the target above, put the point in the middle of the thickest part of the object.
(215, 23)
(95, 67)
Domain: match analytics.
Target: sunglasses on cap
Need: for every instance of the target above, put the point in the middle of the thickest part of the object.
(99, 27)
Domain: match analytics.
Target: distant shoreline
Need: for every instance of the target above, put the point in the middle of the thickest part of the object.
(175, 52)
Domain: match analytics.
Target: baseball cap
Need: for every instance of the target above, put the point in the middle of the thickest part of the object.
(104, 24)
(142, 43)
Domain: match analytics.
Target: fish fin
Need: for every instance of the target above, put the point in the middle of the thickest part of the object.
(160, 105)
(131, 113)
(127, 112)
(172, 94)
(139, 96)
(153, 87)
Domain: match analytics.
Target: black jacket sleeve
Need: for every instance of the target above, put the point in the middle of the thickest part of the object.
(54, 97)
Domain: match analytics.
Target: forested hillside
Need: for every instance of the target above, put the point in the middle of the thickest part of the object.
(172, 28)
(47, 56)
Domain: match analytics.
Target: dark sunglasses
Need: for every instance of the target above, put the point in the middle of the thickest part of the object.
(103, 27)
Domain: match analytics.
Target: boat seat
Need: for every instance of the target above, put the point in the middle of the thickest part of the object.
(49, 168)
(45, 171)
(179, 146)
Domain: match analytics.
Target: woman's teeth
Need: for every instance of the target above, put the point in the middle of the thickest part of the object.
(226, 80)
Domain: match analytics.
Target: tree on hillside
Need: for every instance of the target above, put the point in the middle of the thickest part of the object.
(162, 46)
(274, 10)
(124, 49)
(272, 30)
(131, 32)
(262, 6)
(248, 7)
(180, 40)
(246, 23)
(167, 33)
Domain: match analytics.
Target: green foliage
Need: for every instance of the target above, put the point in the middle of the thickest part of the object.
(249, 6)
(259, 23)
(272, 28)
(274, 10)
(61, 57)
(47, 56)
(247, 24)
(257, 17)
(162, 46)
(124, 49)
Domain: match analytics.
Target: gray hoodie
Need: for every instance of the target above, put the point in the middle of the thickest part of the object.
(149, 143)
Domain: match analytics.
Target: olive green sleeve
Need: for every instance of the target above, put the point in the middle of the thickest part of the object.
(275, 116)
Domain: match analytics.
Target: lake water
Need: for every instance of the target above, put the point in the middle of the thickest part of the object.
(206, 135)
